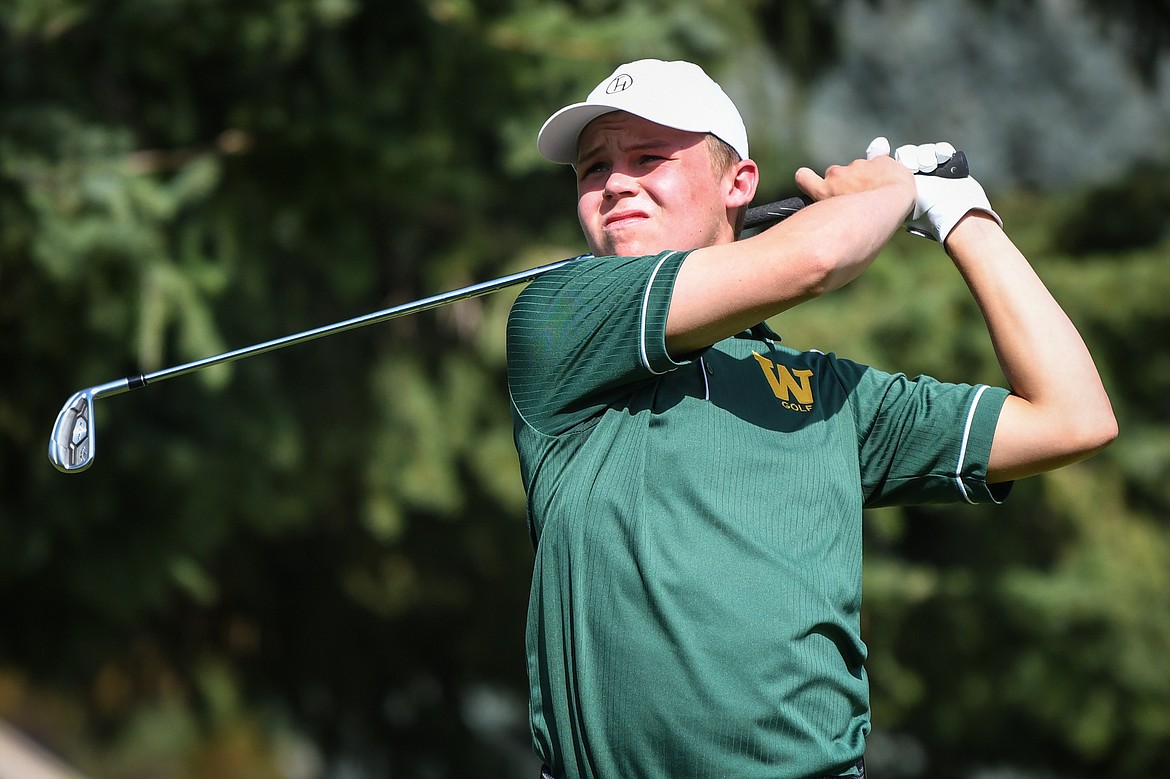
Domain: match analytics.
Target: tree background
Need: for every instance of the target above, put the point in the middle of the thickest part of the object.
(315, 563)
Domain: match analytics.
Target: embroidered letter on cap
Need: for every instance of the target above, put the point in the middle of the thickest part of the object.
(620, 83)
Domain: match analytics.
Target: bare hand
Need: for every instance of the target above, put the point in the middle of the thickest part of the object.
(877, 171)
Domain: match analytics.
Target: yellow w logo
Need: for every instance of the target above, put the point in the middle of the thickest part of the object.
(787, 385)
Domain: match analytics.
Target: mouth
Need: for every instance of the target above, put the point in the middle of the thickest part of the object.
(623, 218)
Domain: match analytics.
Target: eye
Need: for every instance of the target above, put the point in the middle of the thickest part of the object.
(590, 169)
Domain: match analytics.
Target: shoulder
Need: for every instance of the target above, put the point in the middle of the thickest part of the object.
(602, 271)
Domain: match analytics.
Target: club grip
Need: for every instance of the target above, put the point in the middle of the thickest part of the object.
(761, 216)
(954, 168)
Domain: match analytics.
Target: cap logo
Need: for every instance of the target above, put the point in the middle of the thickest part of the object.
(620, 83)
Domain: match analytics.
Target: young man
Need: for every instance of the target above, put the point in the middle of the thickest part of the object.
(695, 489)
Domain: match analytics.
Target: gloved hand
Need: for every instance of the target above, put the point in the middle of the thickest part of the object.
(941, 202)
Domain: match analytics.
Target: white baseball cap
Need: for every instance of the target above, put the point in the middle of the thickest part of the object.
(673, 94)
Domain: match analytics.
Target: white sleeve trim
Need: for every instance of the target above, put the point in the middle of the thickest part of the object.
(963, 447)
(645, 311)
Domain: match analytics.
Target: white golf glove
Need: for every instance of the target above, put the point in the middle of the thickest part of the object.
(941, 202)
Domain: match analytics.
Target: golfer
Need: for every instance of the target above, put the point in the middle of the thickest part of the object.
(695, 488)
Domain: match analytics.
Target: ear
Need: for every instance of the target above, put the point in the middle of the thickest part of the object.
(742, 180)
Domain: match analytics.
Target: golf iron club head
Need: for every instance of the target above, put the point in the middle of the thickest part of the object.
(71, 446)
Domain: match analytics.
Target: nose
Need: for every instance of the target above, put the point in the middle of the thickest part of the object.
(619, 183)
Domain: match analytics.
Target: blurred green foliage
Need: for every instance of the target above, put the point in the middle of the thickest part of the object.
(315, 562)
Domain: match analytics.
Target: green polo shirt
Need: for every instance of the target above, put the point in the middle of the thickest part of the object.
(697, 584)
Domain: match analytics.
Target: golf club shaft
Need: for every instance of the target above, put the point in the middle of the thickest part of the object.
(475, 290)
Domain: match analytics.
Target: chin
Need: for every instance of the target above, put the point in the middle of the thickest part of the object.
(629, 246)
(626, 250)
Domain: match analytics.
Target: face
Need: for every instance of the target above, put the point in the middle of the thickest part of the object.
(643, 188)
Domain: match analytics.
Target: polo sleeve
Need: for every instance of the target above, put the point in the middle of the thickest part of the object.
(921, 440)
(580, 335)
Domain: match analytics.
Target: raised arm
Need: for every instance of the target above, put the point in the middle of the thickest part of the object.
(1058, 411)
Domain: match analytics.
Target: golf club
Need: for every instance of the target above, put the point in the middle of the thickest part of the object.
(73, 446)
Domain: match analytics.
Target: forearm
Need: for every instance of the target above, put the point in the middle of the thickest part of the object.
(1059, 411)
(723, 289)
(835, 240)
